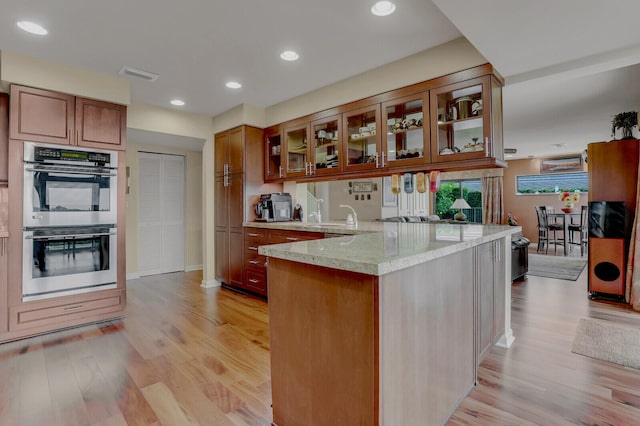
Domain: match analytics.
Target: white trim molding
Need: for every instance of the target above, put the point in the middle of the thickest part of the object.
(209, 284)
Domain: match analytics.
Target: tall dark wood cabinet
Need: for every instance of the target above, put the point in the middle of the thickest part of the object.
(239, 175)
(613, 177)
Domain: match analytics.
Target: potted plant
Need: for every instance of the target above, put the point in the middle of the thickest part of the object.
(625, 121)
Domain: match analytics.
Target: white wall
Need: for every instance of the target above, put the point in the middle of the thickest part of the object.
(27, 71)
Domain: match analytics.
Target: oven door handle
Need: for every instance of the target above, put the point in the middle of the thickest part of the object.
(44, 237)
(69, 171)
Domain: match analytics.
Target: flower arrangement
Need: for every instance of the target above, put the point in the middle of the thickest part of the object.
(569, 198)
(512, 219)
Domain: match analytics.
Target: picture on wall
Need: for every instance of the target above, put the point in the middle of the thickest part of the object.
(561, 164)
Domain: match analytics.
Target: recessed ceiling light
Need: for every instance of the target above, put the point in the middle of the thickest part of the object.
(558, 145)
(383, 8)
(289, 55)
(32, 27)
(177, 102)
(233, 85)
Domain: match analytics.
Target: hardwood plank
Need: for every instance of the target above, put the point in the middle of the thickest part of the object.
(164, 404)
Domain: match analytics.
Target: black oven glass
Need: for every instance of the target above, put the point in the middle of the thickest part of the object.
(56, 256)
(59, 192)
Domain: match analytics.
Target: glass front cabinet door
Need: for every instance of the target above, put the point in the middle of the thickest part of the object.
(462, 125)
(361, 129)
(295, 140)
(405, 123)
(325, 151)
(273, 156)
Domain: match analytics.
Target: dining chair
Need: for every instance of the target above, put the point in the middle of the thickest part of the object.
(548, 231)
(580, 228)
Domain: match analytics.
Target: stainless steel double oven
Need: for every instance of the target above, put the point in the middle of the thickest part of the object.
(69, 220)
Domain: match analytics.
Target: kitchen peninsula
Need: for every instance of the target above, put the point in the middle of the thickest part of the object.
(387, 325)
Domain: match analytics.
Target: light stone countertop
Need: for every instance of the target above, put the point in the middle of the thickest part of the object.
(379, 248)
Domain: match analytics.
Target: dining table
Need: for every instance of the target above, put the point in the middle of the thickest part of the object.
(566, 221)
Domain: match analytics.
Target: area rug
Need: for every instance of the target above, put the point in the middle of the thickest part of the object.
(609, 341)
(561, 267)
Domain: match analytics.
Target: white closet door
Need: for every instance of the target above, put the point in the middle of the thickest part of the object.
(160, 213)
(173, 230)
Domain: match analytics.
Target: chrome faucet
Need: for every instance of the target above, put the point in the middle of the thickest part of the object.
(355, 215)
(317, 214)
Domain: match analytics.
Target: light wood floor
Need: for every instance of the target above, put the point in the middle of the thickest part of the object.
(186, 355)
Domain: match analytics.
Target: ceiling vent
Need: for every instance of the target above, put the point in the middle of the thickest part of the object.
(135, 73)
(510, 150)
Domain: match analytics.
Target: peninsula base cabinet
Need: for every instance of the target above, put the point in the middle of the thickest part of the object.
(398, 349)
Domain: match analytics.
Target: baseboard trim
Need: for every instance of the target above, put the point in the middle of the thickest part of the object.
(210, 284)
(133, 276)
(192, 268)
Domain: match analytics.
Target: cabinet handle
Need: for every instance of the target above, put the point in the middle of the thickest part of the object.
(382, 162)
(311, 170)
(253, 248)
(376, 155)
(486, 147)
(280, 170)
(252, 235)
(292, 239)
(73, 308)
(254, 281)
(254, 262)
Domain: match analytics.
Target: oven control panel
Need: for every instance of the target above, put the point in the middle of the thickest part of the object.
(42, 153)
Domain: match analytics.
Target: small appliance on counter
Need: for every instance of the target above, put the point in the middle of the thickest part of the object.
(274, 207)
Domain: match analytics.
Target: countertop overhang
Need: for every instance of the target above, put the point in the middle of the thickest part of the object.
(379, 248)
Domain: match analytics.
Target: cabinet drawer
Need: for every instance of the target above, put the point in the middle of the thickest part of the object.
(252, 259)
(279, 236)
(48, 313)
(255, 234)
(256, 281)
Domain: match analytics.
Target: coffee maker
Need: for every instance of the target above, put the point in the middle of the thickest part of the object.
(274, 207)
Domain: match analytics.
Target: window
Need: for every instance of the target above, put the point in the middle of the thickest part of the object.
(552, 183)
(470, 190)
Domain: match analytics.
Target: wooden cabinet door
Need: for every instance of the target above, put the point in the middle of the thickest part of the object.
(325, 149)
(296, 151)
(221, 155)
(361, 138)
(273, 169)
(4, 138)
(235, 202)
(236, 265)
(222, 255)
(461, 121)
(484, 297)
(41, 116)
(498, 289)
(100, 124)
(405, 131)
(235, 156)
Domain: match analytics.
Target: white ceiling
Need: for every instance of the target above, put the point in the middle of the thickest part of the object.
(562, 60)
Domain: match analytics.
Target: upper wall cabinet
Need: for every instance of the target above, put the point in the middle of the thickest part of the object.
(44, 116)
(463, 117)
(452, 122)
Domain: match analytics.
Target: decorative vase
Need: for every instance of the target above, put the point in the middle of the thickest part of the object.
(568, 208)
